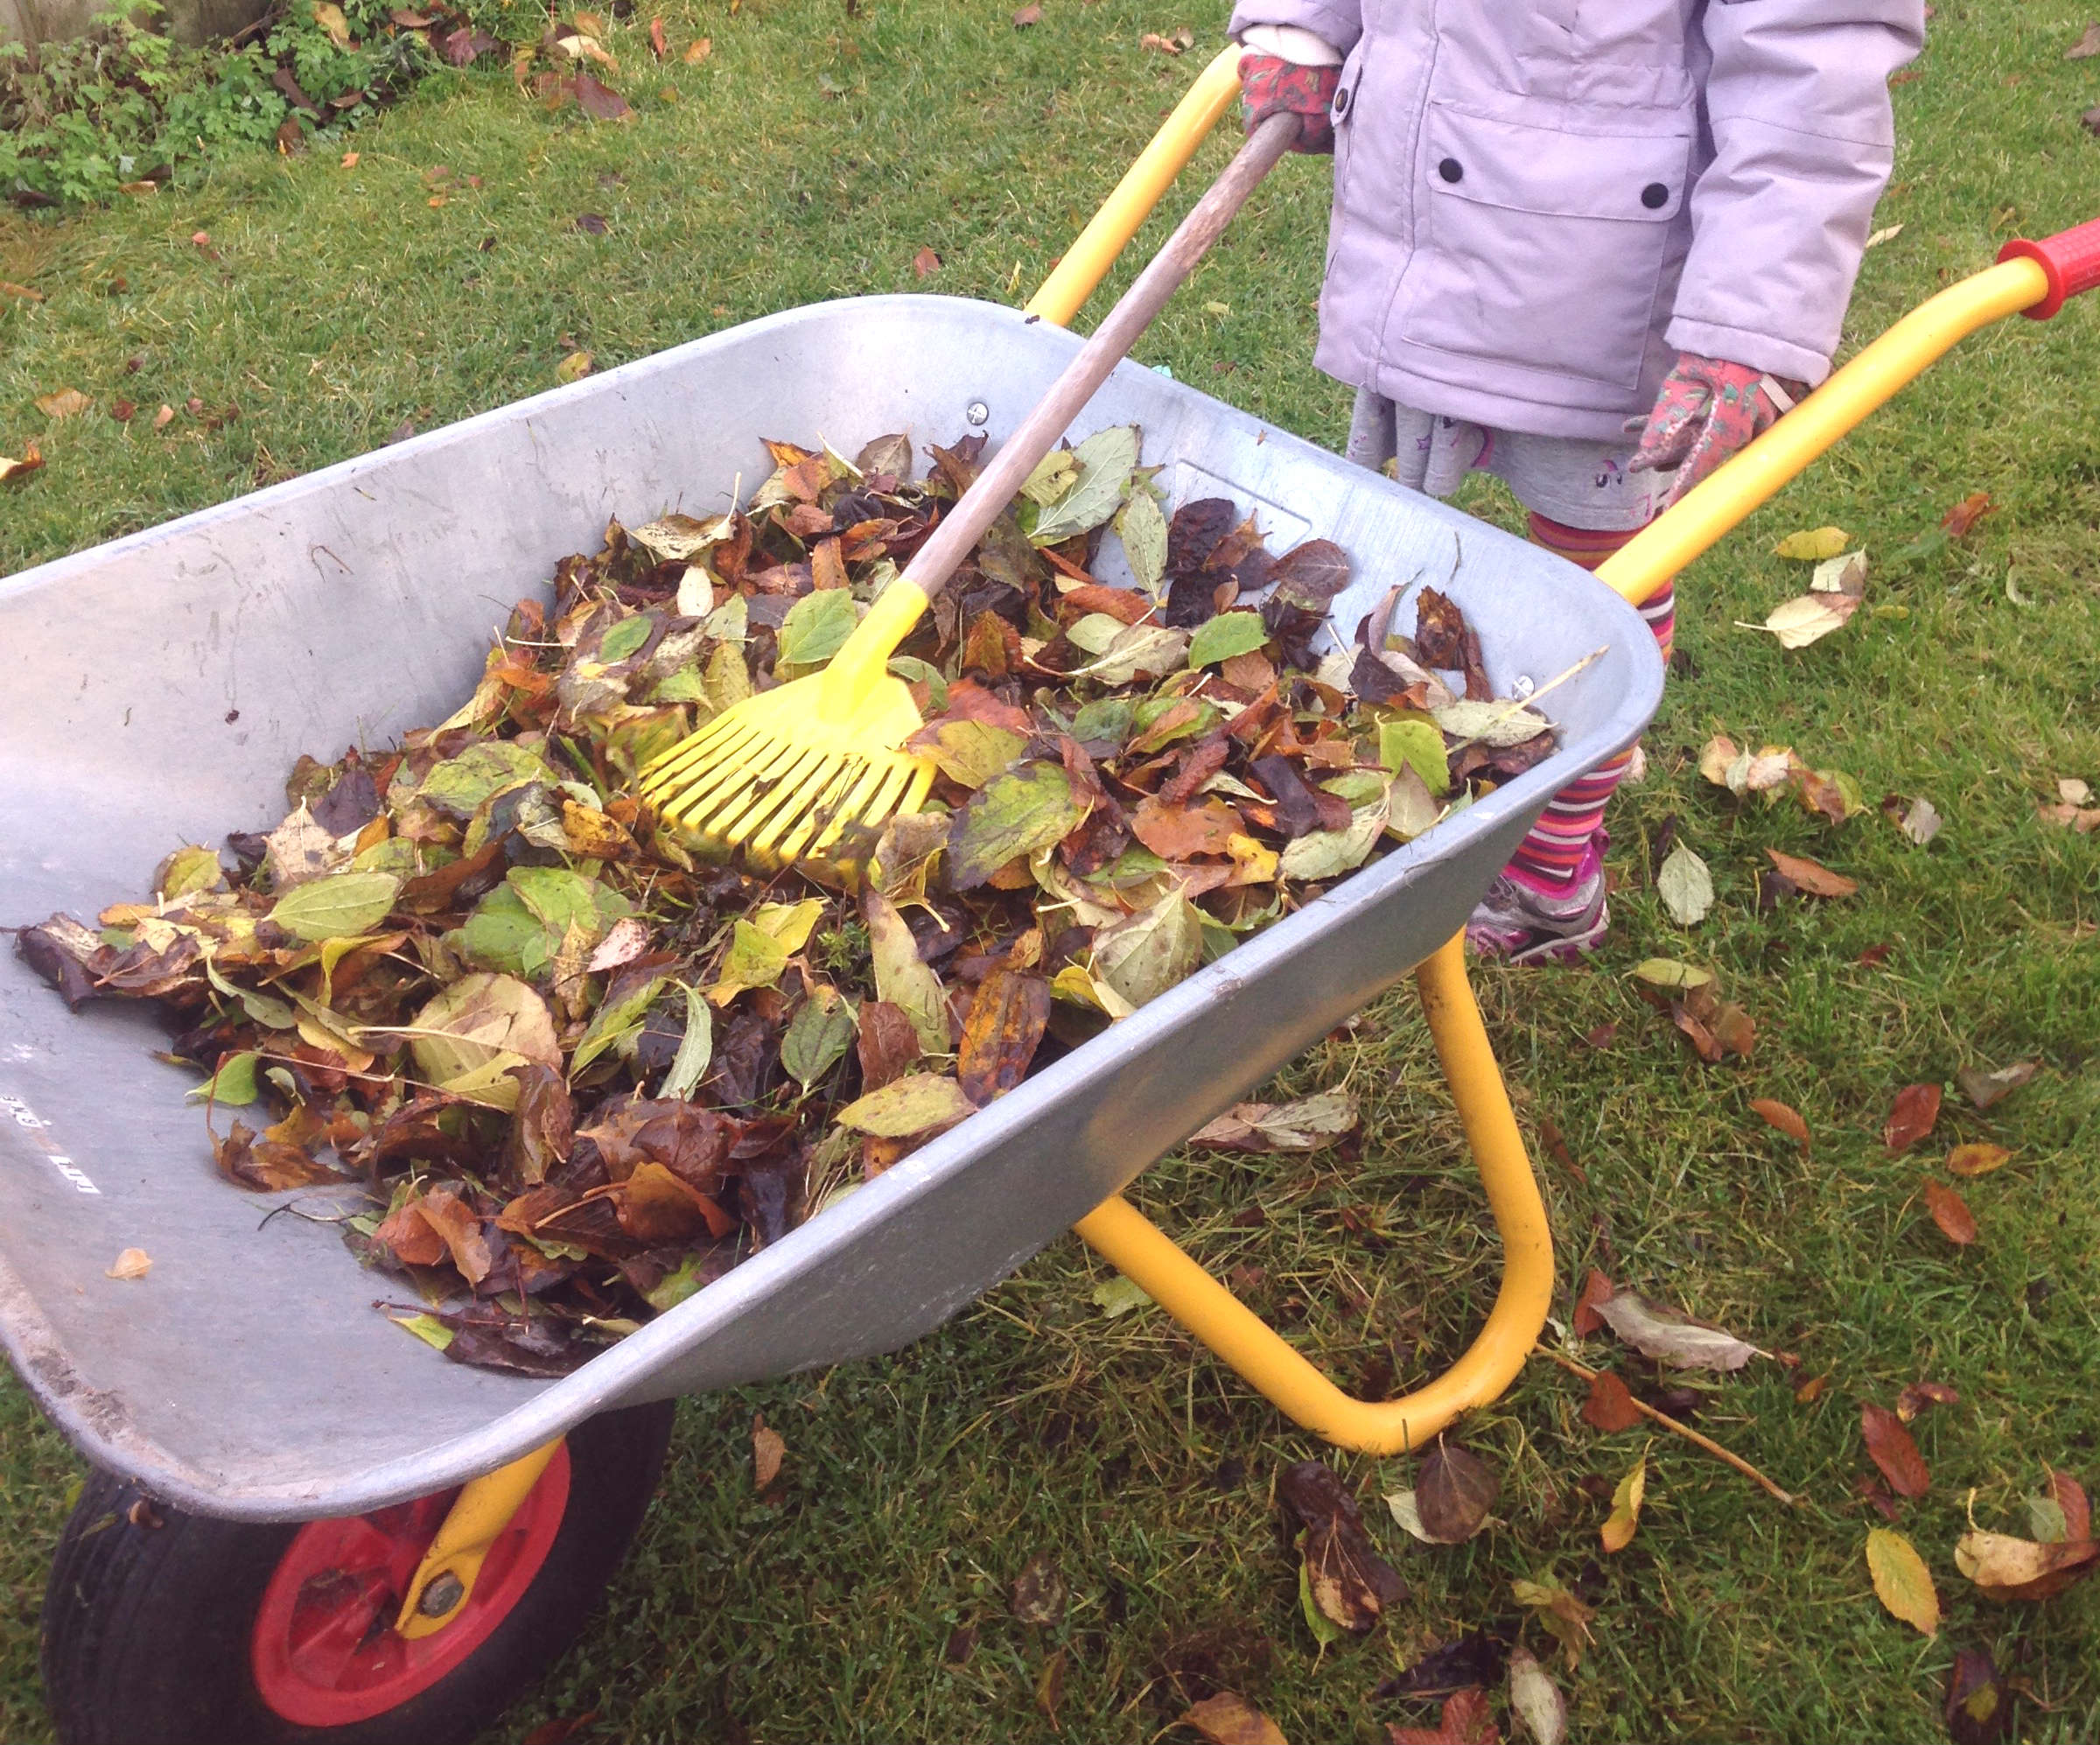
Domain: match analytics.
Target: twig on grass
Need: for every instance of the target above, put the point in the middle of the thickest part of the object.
(1669, 1423)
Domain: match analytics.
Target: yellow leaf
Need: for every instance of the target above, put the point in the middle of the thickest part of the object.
(700, 51)
(66, 402)
(1715, 757)
(1813, 545)
(133, 1262)
(330, 17)
(574, 368)
(789, 924)
(1978, 1157)
(1618, 1531)
(1901, 1580)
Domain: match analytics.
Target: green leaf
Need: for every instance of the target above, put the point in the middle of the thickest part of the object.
(1143, 954)
(614, 1023)
(901, 977)
(697, 1049)
(1104, 460)
(1685, 887)
(1325, 854)
(676, 1287)
(1027, 808)
(462, 785)
(333, 908)
(1054, 474)
(1094, 633)
(1418, 746)
(502, 933)
(907, 1105)
(1143, 530)
(755, 959)
(271, 1014)
(1228, 633)
(623, 639)
(234, 1085)
(561, 897)
(817, 626)
(1493, 724)
(1324, 1629)
(971, 752)
(1106, 717)
(426, 1327)
(1118, 1296)
(478, 1020)
(1147, 648)
(189, 869)
(818, 1036)
(1667, 972)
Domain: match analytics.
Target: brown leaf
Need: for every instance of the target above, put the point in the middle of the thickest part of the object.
(1892, 1450)
(699, 51)
(1950, 1212)
(1176, 832)
(1050, 1687)
(2008, 1568)
(1351, 1584)
(1467, 1720)
(1916, 1108)
(33, 457)
(1610, 1406)
(133, 1262)
(601, 103)
(1812, 1390)
(768, 1449)
(2071, 1498)
(658, 45)
(1039, 1592)
(1673, 1338)
(1453, 1492)
(926, 263)
(64, 402)
(1596, 1289)
(1787, 1120)
(1964, 515)
(2087, 46)
(1030, 14)
(1005, 1025)
(1985, 1090)
(887, 1045)
(1806, 875)
(1917, 1396)
(1228, 1718)
(1980, 1709)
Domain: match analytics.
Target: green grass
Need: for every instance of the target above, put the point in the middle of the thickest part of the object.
(918, 1486)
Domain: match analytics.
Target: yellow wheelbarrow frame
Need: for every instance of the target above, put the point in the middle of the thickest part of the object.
(2031, 278)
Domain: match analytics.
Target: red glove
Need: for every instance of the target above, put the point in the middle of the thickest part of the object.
(1272, 86)
(1707, 410)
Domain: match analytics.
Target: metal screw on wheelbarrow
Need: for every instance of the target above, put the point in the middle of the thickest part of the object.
(812, 770)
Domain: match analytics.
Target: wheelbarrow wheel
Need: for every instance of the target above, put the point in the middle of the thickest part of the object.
(167, 1629)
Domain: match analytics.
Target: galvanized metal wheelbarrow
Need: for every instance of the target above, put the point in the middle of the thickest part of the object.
(354, 603)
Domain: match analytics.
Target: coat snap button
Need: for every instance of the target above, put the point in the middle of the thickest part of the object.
(1654, 196)
(1340, 106)
(1451, 170)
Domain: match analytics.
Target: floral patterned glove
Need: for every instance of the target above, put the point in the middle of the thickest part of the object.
(1272, 86)
(1707, 410)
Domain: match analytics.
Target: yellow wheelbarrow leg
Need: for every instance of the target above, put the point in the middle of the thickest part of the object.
(1130, 1241)
(479, 1514)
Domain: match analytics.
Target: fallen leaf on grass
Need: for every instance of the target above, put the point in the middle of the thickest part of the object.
(1307, 1125)
(1467, 1720)
(1685, 886)
(2074, 790)
(1173, 44)
(1454, 1493)
(2070, 1499)
(1610, 1406)
(1672, 1338)
(1892, 1449)
(1918, 819)
(1050, 1685)
(1812, 1390)
(2008, 1568)
(164, 417)
(659, 45)
(1787, 1120)
(64, 402)
(1979, 1710)
(2083, 820)
(2087, 46)
(1596, 1290)
(133, 1262)
(1039, 1592)
(1950, 1212)
(1810, 618)
(926, 263)
(1985, 1090)
(1808, 875)
(1916, 1108)
(699, 50)
(1027, 15)
(1564, 1616)
(32, 460)
(1889, 234)
(1344, 1581)
(1963, 516)
(1536, 1699)
(1901, 1580)
(1813, 545)
(1119, 1296)
(1917, 1396)
(574, 368)
(1228, 1718)
(1667, 972)
(1617, 1532)
(768, 1449)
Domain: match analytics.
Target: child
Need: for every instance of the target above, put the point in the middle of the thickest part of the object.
(1592, 247)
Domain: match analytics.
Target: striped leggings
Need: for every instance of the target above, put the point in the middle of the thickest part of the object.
(1551, 854)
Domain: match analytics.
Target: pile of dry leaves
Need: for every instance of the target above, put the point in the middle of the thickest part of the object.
(582, 1073)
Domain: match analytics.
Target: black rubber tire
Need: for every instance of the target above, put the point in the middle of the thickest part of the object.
(146, 1626)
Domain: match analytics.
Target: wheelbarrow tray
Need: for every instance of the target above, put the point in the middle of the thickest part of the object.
(155, 690)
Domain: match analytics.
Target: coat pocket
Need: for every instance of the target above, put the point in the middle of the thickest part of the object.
(1542, 248)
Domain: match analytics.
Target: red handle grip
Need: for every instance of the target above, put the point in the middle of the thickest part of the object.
(2071, 258)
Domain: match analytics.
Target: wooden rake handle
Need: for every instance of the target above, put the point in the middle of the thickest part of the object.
(963, 526)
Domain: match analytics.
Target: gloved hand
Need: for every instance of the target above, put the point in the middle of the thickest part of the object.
(1707, 410)
(1270, 85)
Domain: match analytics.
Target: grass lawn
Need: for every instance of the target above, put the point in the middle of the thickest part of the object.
(817, 150)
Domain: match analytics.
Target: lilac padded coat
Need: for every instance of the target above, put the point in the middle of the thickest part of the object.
(1538, 203)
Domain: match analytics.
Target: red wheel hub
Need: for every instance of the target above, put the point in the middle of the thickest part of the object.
(324, 1651)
